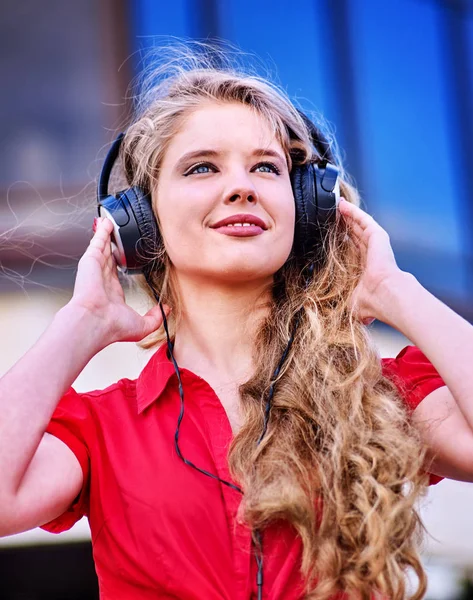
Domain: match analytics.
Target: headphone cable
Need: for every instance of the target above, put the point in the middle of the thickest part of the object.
(257, 533)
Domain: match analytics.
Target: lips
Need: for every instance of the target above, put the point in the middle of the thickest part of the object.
(241, 218)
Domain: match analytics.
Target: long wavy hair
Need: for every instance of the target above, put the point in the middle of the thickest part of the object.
(339, 434)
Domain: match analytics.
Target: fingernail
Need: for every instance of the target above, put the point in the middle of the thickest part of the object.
(94, 225)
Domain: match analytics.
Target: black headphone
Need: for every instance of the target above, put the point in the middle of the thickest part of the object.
(136, 233)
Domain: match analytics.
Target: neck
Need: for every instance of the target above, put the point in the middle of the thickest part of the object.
(218, 325)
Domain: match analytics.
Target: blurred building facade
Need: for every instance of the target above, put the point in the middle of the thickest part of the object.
(394, 80)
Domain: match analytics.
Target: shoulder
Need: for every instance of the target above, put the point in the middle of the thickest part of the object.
(82, 405)
(122, 388)
(416, 378)
(413, 374)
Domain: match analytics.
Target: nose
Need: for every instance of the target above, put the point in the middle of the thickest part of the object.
(241, 190)
(243, 195)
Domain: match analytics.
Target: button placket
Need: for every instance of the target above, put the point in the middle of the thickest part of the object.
(220, 436)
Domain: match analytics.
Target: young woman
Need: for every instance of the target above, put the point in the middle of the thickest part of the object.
(312, 495)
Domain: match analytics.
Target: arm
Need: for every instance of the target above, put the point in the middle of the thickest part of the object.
(39, 475)
(444, 417)
(29, 393)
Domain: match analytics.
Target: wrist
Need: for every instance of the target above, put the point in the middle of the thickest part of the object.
(82, 324)
(396, 298)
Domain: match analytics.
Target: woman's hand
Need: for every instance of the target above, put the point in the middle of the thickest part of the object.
(98, 290)
(380, 268)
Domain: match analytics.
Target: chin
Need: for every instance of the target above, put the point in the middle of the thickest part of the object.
(246, 266)
(234, 268)
(244, 273)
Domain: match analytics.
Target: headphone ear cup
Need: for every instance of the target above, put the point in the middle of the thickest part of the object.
(136, 239)
(316, 195)
(143, 238)
(305, 197)
(140, 202)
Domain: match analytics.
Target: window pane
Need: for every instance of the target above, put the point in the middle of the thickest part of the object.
(407, 143)
(269, 31)
(52, 118)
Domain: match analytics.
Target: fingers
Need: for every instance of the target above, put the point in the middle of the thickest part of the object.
(101, 244)
(354, 228)
(102, 229)
(101, 240)
(357, 215)
(153, 319)
(361, 224)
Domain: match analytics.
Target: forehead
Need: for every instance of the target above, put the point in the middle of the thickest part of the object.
(224, 126)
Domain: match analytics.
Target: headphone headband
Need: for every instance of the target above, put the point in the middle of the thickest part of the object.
(112, 155)
(320, 142)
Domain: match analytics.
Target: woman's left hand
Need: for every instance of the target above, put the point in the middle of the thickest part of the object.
(380, 268)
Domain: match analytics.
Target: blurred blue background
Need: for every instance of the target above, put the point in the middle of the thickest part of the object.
(394, 79)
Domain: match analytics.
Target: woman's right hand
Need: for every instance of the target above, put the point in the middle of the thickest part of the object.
(97, 289)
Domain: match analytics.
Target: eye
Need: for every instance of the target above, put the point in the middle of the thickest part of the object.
(267, 165)
(200, 168)
(203, 168)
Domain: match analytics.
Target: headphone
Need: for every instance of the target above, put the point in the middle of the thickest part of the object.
(136, 235)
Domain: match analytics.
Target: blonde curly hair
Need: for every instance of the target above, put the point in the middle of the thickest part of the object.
(338, 430)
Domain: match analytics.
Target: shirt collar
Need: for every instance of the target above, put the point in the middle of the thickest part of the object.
(153, 378)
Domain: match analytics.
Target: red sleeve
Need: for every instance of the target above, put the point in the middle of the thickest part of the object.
(416, 377)
(70, 423)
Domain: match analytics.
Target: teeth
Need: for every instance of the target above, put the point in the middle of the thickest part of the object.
(240, 225)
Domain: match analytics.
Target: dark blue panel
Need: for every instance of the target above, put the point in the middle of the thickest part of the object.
(406, 144)
(151, 18)
(470, 44)
(288, 37)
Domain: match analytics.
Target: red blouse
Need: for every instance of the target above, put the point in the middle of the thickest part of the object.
(159, 528)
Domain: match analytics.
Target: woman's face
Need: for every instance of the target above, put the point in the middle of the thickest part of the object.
(225, 163)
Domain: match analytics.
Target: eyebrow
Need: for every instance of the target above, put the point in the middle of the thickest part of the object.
(215, 153)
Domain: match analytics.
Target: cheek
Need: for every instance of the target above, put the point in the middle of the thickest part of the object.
(287, 219)
(180, 221)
